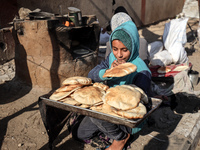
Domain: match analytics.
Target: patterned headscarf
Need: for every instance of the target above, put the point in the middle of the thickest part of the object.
(123, 37)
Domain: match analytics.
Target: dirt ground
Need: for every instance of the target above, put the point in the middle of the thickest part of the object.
(22, 127)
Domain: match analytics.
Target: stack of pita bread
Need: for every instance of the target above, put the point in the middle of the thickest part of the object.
(80, 91)
(123, 101)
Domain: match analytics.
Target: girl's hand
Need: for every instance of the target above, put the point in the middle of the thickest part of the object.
(116, 63)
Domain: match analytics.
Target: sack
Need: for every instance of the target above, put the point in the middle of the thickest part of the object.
(162, 58)
(174, 38)
(178, 53)
(154, 48)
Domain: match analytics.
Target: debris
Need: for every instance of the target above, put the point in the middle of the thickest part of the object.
(20, 144)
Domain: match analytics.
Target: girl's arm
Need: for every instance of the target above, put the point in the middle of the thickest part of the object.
(96, 73)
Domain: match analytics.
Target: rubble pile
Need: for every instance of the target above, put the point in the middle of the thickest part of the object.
(7, 71)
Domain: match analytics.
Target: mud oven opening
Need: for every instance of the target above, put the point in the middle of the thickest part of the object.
(47, 51)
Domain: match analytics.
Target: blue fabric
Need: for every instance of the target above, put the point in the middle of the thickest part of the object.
(139, 127)
(97, 72)
(143, 80)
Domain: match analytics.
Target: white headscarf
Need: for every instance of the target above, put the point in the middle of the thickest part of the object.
(118, 19)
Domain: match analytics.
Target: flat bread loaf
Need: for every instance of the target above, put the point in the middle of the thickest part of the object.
(77, 80)
(69, 100)
(84, 106)
(60, 95)
(67, 88)
(101, 85)
(144, 97)
(104, 108)
(121, 70)
(89, 95)
(164, 69)
(135, 113)
(122, 97)
(181, 68)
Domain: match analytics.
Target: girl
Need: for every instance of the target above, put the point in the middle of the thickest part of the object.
(124, 42)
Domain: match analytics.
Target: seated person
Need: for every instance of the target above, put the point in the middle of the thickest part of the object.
(124, 43)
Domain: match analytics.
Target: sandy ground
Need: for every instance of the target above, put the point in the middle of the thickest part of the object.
(22, 128)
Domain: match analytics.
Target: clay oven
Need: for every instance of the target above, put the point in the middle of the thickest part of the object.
(47, 51)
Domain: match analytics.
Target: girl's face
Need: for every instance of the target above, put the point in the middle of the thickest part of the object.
(120, 51)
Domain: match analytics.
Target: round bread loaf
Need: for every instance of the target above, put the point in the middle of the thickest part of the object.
(122, 97)
(164, 69)
(144, 97)
(67, 88)
(135, 113)
(77, 80)
(120, 70)
(105, 108)
(101, 85)
(89, 95)
(60, 95)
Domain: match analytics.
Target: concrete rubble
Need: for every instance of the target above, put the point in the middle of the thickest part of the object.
(7, 71)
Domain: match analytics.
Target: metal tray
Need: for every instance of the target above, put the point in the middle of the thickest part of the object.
(92, 113)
